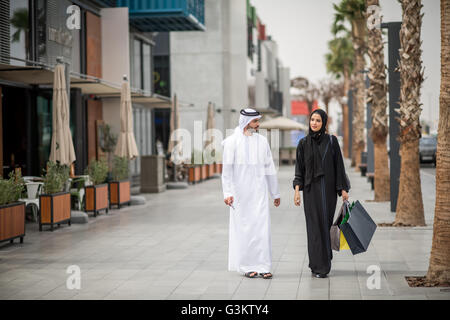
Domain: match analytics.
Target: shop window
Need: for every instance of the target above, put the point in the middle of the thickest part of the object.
(19, 31)
(161, 75)
(146, 64)
(142, 65)
(137, 65)
(44, 130)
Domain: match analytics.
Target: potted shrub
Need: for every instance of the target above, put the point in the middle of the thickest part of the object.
(194, 173)
(12, 211)
(54, 203)
(195, 169)
(119, 187)
(108, 141)
(96, 195)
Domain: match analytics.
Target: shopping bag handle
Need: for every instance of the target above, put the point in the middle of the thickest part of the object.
(347, 205)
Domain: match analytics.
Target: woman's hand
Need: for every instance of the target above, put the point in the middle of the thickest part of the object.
(344, 195)
(297, 198)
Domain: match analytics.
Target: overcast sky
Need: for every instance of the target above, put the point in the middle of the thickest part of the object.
(302, 29)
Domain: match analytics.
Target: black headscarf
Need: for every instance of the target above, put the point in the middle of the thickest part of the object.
(313, 158)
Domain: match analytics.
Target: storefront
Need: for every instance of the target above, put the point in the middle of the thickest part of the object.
(36, 38)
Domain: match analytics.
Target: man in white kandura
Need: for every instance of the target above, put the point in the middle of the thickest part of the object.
(248, 177)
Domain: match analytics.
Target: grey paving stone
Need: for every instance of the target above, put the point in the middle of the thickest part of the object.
(137, 200)
(177, 248)
(79, 217)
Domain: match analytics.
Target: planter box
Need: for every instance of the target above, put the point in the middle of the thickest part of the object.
(119, 193)
(218, 167)
(204, 170)
(55, 209)
(12, 222)
(211, 170)
(207, 171)
(194, 174)
(96, 198)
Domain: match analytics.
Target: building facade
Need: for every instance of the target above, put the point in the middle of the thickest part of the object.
(232, 64)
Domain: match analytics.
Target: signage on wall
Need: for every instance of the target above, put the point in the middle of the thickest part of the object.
(73, 21)
(60, 36)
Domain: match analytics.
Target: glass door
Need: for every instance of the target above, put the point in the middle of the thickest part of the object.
(44, 129)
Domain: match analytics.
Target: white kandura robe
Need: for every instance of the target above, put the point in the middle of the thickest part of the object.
(249, 175)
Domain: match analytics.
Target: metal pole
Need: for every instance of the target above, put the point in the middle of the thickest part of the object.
(370, 151)
(350, 122)
(394, 96)
(175, 110)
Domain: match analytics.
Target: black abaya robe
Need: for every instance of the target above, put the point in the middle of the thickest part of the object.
(319, 200)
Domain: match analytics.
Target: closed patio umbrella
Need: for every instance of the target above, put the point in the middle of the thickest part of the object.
(210, 124)
(283, 123)
(126, 145)
(175, 152)
(62, 145)
(174, 125)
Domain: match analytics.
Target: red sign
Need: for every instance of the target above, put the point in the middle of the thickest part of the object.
(301, 107)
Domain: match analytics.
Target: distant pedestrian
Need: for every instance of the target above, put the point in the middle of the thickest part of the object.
(248, 177)
(320, 174)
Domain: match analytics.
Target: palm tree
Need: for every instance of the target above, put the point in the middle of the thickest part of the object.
(377, 95)
(339, 62)
(409, 203)
(353, 12)
(439, 268)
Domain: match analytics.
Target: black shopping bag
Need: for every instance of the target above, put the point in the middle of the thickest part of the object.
(359, 229)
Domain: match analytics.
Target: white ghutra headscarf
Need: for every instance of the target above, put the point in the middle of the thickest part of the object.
(247, 115)
(239, 139)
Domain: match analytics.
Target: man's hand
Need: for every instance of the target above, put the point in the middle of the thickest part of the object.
(276, 202)
(228, 201)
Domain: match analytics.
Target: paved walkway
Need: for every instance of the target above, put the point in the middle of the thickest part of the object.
(175, 247)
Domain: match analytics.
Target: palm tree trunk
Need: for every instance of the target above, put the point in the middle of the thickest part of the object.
(439, 268)
(410, 204)
(345, 122)
(382, 186)
(377, 96)
(358, 31)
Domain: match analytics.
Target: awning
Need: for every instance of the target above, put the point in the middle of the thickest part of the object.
(97, 88)
(155, 101)
(39, 75)
(26, 74)
(283, 123)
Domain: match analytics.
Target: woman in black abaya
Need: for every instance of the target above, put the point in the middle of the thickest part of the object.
(320, 174)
